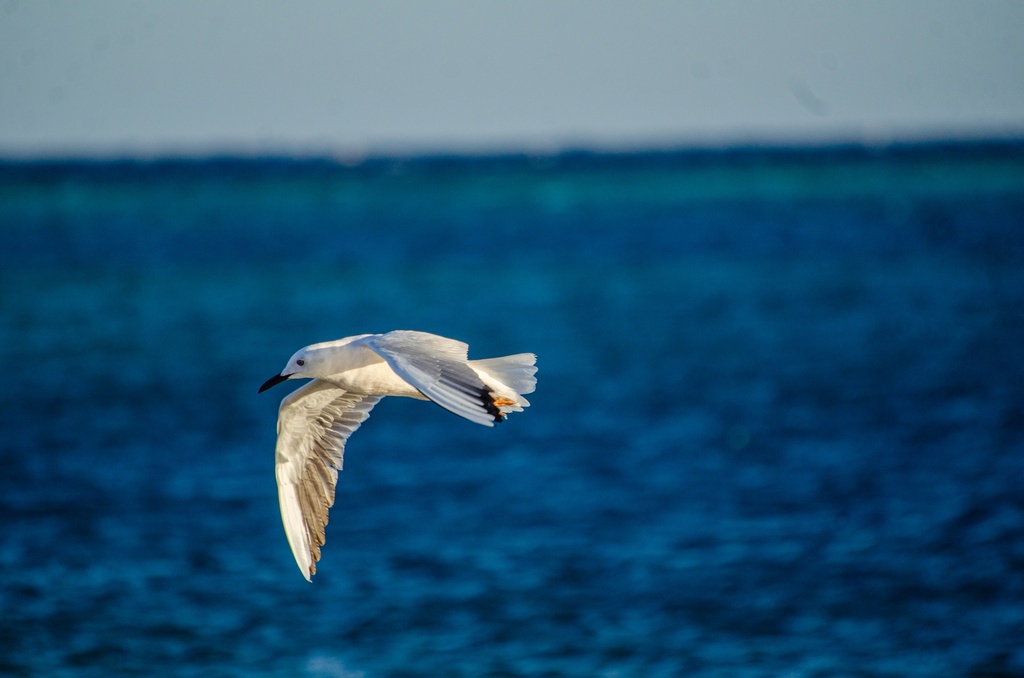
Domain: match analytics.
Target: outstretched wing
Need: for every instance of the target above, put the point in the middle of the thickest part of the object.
(313, 425)
(436, 366)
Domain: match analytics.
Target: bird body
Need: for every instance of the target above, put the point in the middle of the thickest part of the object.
(350, 365)
(350, 376)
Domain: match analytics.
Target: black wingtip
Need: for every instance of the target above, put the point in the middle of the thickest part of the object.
(488, 402)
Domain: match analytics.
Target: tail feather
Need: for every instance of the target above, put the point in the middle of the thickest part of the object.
(514, 371)
(508, 377)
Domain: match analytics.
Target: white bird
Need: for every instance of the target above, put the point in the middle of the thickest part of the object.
(350, 376)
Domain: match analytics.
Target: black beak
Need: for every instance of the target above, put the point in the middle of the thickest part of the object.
(273, 381)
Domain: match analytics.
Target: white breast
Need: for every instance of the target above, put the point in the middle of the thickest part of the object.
(376, 379)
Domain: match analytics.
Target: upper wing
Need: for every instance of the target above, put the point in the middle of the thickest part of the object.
(313, 425)
(437, 367)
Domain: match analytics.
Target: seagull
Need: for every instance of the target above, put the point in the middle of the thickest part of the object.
(350, 376)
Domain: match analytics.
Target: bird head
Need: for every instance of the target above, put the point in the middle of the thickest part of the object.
(300, 366)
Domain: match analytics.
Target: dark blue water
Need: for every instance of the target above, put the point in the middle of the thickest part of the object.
(779, 427)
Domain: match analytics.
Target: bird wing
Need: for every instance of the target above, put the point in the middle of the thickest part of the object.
(313, 425)
(436, 366)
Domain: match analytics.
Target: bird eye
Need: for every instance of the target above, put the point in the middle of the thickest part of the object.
(300, 363)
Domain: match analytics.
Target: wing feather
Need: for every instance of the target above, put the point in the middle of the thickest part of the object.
(437, 367)
(313, 425)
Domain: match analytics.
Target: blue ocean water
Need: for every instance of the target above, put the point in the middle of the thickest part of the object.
(779, 425)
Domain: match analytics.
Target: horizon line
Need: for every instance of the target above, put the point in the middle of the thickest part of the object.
(357, 154)
(412, 152)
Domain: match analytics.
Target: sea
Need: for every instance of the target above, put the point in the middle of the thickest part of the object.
(778, 428)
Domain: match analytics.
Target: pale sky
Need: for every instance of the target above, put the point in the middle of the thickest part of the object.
(137, 77)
